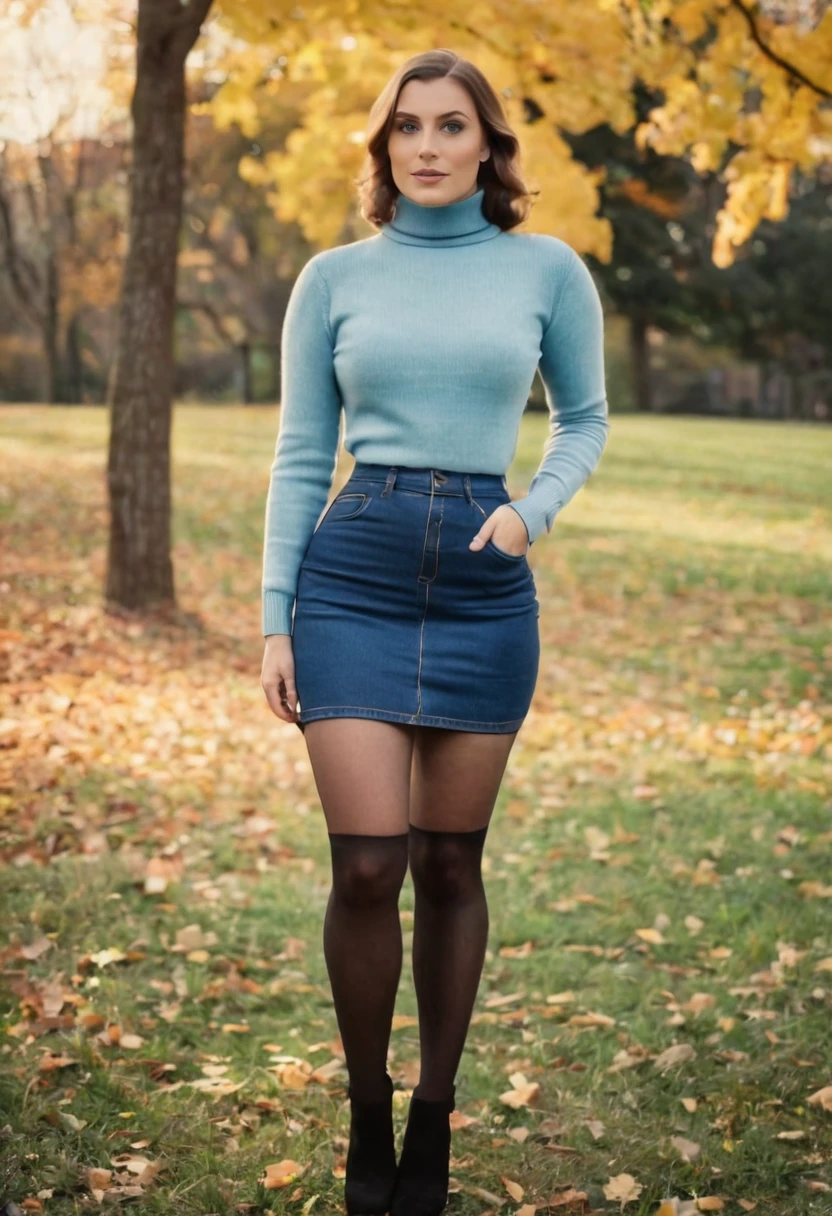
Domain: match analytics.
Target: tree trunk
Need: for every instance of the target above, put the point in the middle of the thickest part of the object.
(640, 363)
(74, 362)
(139, 567)
(248, 378)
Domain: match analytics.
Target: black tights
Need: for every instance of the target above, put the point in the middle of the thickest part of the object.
(363, 948)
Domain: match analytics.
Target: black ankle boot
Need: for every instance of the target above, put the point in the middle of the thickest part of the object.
(371, 1157)
(424, 1166)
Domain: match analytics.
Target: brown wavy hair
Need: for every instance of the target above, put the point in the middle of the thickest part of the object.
(506, 201)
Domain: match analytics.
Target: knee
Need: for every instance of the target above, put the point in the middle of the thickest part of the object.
(369, 879)
(445, 871)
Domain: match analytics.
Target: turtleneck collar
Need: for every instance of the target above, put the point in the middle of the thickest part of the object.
(459, 223)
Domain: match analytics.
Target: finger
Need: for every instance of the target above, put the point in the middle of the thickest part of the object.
(291, 697)
(482, 536)
(272, 692)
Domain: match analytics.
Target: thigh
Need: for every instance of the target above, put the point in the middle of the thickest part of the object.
(455, 777)
(362, 772)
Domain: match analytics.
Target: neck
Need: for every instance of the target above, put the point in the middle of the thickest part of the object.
(459, 223)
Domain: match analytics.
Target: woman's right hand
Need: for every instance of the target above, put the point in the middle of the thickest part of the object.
(277, 676)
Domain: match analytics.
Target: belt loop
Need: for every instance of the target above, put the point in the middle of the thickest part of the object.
(391, 481)
(466, 484)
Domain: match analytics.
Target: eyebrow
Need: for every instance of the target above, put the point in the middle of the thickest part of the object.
(405, 114)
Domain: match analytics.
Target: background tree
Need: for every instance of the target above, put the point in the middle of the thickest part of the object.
(139, 567)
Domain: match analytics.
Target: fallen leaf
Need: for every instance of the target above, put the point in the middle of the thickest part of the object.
(131, 1042)
(821, 1097)
(99, 1179)
(282, 1174)
(523, 1093)
(514, 1188)
(105, 958)
(49, 1063)
(650, 935)
(679, 1053)
(623, 1187)
(402, 1020)
(36, 948)
(688, 1150)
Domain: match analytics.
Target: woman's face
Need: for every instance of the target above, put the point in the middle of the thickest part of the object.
(436, 127)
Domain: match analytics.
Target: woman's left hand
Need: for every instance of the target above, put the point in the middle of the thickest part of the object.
(506, 529)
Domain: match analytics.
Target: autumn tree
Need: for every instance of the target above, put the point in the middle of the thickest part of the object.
(139, 566)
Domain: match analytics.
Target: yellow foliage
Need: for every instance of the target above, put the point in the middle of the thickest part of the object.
(578, 60)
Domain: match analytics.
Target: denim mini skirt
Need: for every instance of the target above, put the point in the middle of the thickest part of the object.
(397, 619)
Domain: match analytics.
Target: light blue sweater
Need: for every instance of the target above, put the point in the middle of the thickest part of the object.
(428, 335)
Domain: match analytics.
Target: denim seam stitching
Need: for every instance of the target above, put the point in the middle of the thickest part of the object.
(405, 716)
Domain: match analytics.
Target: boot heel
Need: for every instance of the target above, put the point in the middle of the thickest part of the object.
(371, 1156)
(424, 1166)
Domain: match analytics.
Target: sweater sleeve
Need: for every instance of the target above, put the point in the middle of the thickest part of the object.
(572, 370)
(306, 452)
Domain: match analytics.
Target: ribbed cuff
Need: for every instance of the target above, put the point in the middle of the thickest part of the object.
(277, 612)
(534, 516)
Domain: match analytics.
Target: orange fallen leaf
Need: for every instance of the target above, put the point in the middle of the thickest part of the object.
(523, 1093)
(514, 1188)
(49, 1063)
(282, 1174)
(821, 1097)
(402, 1020)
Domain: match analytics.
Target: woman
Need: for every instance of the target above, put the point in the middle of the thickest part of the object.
(406, 621)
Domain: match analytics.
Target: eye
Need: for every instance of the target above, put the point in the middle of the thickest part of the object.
(452, 122)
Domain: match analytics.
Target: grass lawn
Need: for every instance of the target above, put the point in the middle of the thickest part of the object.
(653, 1022)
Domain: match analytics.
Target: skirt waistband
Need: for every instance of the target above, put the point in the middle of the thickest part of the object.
(430, 481)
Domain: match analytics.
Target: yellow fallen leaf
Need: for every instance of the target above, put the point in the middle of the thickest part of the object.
(622, 1187)
(104, 958)
(98, 1178)
(591, 1019)
(650, 935)
(560, 998)
(236, 1028)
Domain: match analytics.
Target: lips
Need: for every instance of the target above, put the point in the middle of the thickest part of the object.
(430, 175)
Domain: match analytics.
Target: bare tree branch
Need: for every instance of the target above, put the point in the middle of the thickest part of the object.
(773, 56)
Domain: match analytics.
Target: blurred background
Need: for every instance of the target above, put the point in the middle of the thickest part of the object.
(682, 148)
